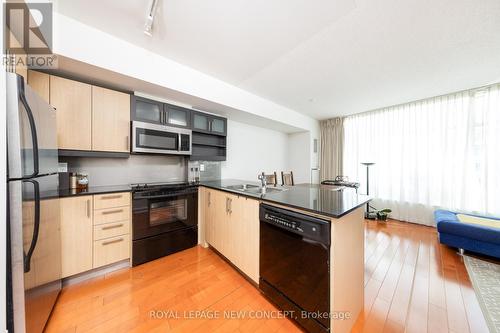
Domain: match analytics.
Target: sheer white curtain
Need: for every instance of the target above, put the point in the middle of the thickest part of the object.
(441, 152)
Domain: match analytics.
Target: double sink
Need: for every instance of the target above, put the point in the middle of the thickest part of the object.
(253, 189)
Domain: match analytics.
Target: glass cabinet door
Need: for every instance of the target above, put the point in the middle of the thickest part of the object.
(218, 126)
(148, 111)
(200, 122)
(177, 116)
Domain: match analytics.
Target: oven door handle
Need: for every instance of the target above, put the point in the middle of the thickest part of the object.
(313, 242)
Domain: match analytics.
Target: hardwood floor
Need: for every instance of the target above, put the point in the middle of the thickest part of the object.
(412, 284)
(415, 284)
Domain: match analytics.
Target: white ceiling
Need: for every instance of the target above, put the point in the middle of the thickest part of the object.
(323, 58)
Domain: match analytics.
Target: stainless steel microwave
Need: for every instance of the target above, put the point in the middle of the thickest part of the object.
(160, 139)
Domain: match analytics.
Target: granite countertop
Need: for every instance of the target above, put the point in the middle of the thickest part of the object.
(91, 190)
(320, 199)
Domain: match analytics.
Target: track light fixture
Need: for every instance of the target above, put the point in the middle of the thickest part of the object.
(148, 27)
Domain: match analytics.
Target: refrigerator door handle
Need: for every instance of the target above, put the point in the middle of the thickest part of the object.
(36, 228)
(34, 137)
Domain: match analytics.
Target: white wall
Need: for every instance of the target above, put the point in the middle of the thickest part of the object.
(299, 150)
(302, 157)
(84, 43)
(315, 135)
(251, 150)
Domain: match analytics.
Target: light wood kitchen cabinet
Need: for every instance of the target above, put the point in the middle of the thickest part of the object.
(89, 118)
(110, 120)
(245, 236)
(216, 220)
(73, 103)
(95, 231)
(232, 228)
(20, 69)
(110, 250)
(206, 215)
(76, 234)
(111, 228)
(40, 83)
(109, 215)
(111, 200)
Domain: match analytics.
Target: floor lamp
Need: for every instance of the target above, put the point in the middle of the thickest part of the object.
(368, 214)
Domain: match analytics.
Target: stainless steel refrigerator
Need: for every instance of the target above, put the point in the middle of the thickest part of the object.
(33, 223)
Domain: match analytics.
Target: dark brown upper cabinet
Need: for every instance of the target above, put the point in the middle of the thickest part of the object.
(146, 110)
(151, 111)
(177, 116)
(207, 123)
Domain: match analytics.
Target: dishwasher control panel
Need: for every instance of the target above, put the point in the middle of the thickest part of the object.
(275, 219)
(307, 226)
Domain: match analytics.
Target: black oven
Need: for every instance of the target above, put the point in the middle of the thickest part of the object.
(160, 139)
(164, 220)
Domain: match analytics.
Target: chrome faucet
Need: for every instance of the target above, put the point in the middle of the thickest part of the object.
(263, 180)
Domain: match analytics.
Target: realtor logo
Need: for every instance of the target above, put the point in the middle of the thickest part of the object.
(28, 28)
(28, 35)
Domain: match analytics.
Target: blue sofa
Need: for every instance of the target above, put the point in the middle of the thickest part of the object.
(470, 237)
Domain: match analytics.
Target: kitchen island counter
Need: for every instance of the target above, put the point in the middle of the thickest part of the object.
(326, 200)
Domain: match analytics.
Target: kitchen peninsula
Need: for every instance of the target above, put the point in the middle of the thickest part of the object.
(303, 245)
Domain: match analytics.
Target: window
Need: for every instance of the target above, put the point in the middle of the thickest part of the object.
(439, 152)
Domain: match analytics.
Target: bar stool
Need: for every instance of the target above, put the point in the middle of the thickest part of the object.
(287, 179)
(271, 179)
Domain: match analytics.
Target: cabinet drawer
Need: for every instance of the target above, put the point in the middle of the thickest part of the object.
(110, 200)
(111, 250)
(111, 230)
(109, 215)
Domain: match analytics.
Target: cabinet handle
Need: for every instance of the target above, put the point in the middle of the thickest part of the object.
(112, 241)
(112, 226)
(112, 211)
(128, 142)
(229, 204)
(111, 196)
(210, 125)
(165, 117)
(209, 198)
(87, 207)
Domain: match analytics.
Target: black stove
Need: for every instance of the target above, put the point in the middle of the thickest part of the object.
(164, 219)
(159, 185)
(157, 190)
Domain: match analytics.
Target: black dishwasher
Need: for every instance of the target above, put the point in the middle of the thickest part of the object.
(295, 265)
